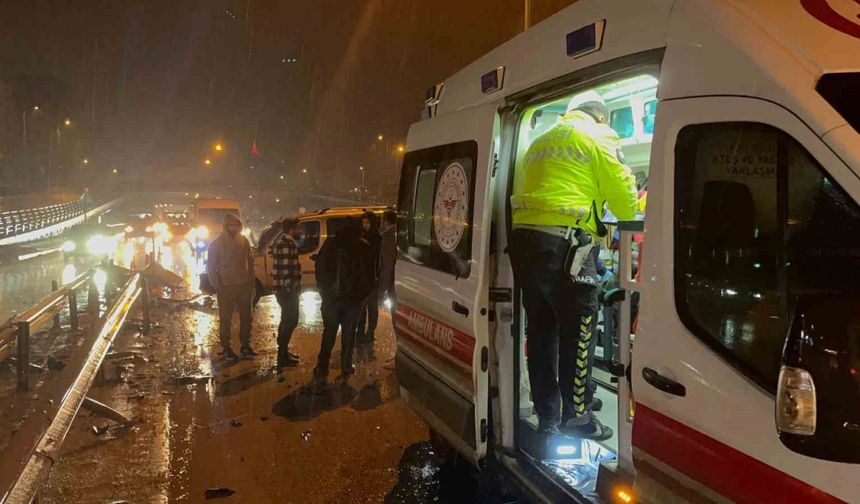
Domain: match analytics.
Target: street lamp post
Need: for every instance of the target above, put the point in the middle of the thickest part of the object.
(363, 184)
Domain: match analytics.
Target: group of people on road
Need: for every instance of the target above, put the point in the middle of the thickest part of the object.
(355, 269)
(354, 272)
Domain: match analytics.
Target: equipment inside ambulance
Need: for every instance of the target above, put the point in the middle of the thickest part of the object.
(728, 348)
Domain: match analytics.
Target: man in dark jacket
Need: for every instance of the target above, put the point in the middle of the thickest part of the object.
(345, 276)
(369, 315)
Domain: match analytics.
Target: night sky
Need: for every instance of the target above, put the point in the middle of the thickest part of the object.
(152, 85)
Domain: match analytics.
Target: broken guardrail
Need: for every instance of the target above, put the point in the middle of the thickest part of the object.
(47, 450)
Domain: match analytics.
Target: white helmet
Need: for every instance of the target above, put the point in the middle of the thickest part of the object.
(587, 100)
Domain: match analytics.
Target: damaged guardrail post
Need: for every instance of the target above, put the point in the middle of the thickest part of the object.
(23, 356)
(47, 451)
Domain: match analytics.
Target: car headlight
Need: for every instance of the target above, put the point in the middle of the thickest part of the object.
(69, 246)
(202, 232)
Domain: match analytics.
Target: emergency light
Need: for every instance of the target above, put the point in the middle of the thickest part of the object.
(585, 40)
(493, 81)
(431, 100)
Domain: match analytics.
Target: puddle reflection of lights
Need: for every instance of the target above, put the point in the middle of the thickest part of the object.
(70, 271)
(387, 303)
(100, 279)
(309, 303)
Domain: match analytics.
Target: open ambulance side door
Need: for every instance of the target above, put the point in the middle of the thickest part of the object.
(442, 310)
(742, 195)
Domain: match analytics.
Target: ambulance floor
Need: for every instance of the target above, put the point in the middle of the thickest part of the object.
(579, 472)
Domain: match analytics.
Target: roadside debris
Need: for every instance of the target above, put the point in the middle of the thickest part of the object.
(54, 364)
(218, 493)
(306, 435)
(235, 423)
(99, 430)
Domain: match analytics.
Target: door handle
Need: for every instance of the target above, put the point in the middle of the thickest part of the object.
(660, 382)
(459, 308)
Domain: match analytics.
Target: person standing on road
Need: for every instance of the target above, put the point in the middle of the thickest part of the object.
(571, 172)
(369, 317)
(287, 281)
(388, 257)
(345, 276)
(230, 268)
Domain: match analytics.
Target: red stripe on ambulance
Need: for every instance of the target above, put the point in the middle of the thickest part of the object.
(729, 472)
(444, 340)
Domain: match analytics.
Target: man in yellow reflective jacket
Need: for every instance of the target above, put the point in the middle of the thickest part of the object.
(570, 174)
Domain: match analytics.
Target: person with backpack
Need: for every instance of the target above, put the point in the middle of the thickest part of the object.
(345, 275)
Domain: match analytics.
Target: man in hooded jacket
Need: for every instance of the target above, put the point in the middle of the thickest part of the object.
(345, 273)
(230, 268)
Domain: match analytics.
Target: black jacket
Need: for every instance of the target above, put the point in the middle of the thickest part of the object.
(346, 268)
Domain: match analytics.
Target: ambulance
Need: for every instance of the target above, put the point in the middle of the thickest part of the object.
(741, 381)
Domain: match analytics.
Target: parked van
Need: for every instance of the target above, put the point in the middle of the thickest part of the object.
(207, 218)
(315, 228)
(742, 385)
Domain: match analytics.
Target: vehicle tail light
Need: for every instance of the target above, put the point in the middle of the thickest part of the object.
(795, 402)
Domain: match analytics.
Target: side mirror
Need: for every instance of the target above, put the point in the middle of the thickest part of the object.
(818, 393)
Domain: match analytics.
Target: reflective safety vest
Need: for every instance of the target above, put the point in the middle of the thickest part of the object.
(571, 171)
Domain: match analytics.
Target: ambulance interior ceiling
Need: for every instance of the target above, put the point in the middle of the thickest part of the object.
(632, 105)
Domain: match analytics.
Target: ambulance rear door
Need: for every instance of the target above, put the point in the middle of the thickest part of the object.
(443, 241)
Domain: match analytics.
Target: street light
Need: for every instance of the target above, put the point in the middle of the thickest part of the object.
(219, 147)
(207, 162)
(67, 122)
(400, 149)
(361, 168)
(86, 161)
(380, 137)
(115, 171)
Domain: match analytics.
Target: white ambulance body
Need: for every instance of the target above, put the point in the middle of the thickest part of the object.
(745, 126)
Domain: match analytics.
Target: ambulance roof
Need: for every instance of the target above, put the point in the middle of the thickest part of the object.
(764, 48)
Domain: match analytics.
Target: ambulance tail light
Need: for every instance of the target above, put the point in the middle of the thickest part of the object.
(795, 402)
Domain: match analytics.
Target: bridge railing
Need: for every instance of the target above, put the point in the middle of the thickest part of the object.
(22, 226)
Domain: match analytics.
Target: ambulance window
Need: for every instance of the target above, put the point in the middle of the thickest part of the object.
(728, 237)
(423, 217)
(759, 225)
(435, 205)
(840, 91)
(621, 120)
(648, 118)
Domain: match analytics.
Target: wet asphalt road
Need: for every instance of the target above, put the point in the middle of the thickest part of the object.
(243, 432)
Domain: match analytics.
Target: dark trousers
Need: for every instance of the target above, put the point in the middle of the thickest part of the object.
(235, 298)
(368, 318)
(561, 317)
(289, 303)
(338, 313)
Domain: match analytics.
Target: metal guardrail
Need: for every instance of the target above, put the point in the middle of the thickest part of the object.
(47, 450)
(37, 316)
